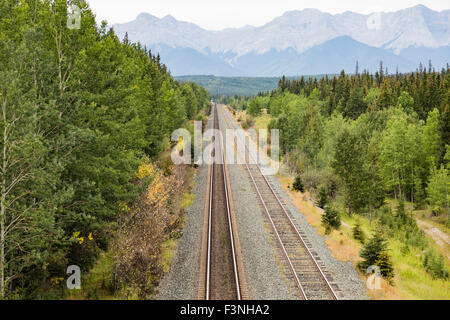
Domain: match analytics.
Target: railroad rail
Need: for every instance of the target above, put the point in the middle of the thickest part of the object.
(303, 263)
(222, 277)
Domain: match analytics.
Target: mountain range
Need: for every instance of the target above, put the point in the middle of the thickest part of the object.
(299, 42)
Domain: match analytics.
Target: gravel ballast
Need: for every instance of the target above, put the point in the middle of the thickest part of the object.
(263, 275)
(264, 279)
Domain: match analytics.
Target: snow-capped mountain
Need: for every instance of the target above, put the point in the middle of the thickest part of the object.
(283, 46)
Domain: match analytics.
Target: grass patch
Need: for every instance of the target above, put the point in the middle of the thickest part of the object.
(167, 254)
(262, 121)
(187, 200)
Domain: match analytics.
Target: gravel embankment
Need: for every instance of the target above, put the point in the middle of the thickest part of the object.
(264, 279)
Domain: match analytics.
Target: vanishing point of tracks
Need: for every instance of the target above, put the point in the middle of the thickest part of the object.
(303, 264)
(222, 278)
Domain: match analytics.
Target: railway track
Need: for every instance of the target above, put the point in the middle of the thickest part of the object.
(222, 277)
(302, 265)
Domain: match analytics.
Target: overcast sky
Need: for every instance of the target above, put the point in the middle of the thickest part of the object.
(217, 15)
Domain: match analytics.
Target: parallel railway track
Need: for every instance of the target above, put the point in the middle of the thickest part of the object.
(302, 263)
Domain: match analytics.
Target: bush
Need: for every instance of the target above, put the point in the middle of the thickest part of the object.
(358, 233)
(434, 265)
(385, 265)
(298, 184)
(323, 197)
(375, 253)
(331, 219)
(248, 122)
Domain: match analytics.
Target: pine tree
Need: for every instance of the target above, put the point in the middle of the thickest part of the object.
(331, 220)
(358, 233)
(298, 184)
(434, 265)
(323, 197)
(375, 253)
(385, 264)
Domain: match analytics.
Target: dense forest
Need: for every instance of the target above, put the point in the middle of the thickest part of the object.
(357, 141)
(80, 112)
(235, 86)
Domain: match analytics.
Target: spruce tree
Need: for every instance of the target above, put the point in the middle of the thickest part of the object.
(358, 233)
(298, 184)
(323, 197)
(385, 264)
(331, 220)
(375, 253)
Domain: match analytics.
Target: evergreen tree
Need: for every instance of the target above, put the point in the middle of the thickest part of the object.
(385, 264)
(331, 219)
(434, 265)
(323, 197)
(358, 233)
(79, 111)
(375, 253)
(298, 184)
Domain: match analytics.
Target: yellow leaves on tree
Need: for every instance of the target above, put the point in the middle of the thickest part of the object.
(146, 169)
(152, 220)
(157, 192)
(76, 236)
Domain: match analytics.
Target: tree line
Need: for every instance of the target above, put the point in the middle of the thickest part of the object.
(80, 109)
(386, 131)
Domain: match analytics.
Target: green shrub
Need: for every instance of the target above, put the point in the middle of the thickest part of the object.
(331, 219)
(434, 265)
(385, 264)
(323, 197)
(358, 233)
(298, 184)
(375, 253)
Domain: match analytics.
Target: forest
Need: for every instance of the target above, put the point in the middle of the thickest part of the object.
(82, 115)
(362, 142)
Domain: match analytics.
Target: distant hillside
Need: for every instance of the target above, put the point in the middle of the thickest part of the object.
(230, 86)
